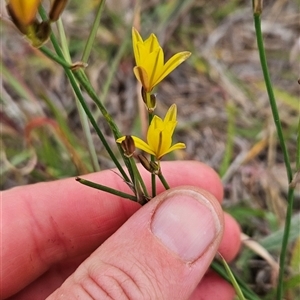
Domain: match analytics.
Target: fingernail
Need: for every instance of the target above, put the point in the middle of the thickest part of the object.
(186, 223)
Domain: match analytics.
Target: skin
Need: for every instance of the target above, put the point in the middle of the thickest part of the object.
(49, 229)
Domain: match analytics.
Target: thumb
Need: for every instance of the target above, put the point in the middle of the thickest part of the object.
(161, 252)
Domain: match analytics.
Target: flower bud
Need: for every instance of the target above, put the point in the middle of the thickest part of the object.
(57, 7)
(152, 166)
(128, 146)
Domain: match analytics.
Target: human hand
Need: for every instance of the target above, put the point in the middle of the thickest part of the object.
(162, 252)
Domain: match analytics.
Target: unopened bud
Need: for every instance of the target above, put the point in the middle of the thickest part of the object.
(152, 166)
(128, 146)
(144, 162)
(57, 7)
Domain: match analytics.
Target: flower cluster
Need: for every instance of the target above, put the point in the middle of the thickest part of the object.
(150, 70)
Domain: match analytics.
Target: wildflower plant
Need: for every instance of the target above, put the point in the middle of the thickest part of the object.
(150, 70)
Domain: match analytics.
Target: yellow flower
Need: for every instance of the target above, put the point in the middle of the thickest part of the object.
(159, 135)
(150, 67)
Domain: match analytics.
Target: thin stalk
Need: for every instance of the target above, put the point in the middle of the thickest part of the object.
(230, 109)
(137, 177)
(93, 32)
(56, 58)
(80, 76)
(78, 93)
(163, 181)
(153, 182)
(272, 100)
(83, 77)
(152, 157)
(263, 61)
(298, 149)
(219, 268)
(106, 189)
(83, 117)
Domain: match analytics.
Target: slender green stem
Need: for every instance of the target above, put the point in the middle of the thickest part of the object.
(219, 268)
(153, 182)
(277, 122)
(78, 93)
(106, 189)
(163, 181)
(152, 157)
(230, 109)
(56, 58)
(83, 117)
(93, 31)
(298, 149)
(80, 76)
(232, 278)
(138, 177)
(85, 83)
(272, 100)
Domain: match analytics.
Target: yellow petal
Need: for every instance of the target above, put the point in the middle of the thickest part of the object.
(121, 139)
(136, 38)
(153, 134)
(165, 144)
(142, 76)
(154, 65)
(151, 43)
(172, 64)
(170, 127)
(24, 10)
(151, 62)
(142, 145)
(171, 114)
(176, 146)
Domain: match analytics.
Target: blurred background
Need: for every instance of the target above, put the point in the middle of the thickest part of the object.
(224, 116)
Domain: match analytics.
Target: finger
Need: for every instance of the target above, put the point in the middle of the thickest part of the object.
(161, 252)
(231, 241)
(48, 282)
(63, 219)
